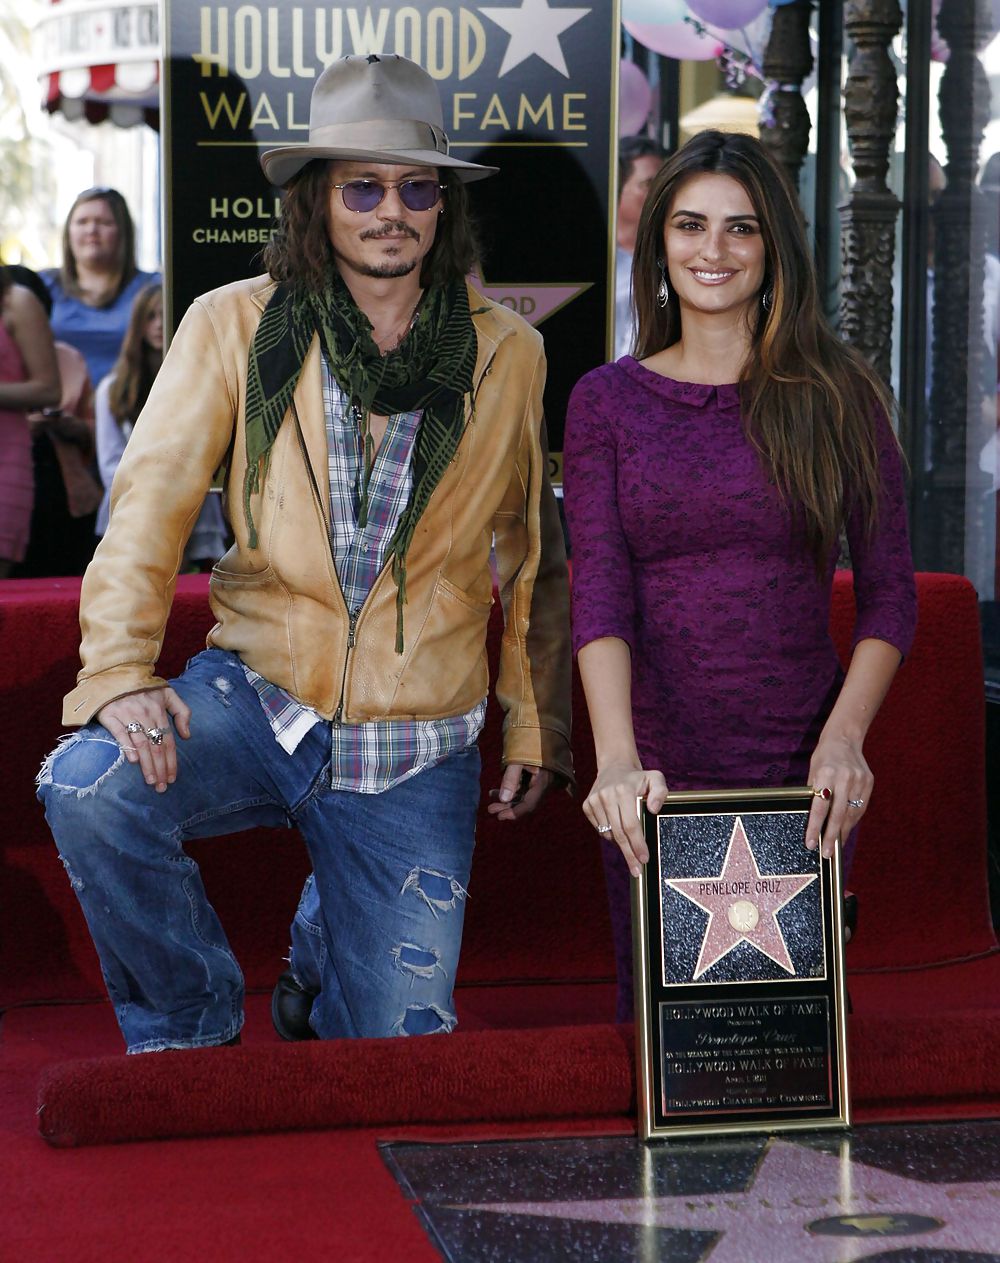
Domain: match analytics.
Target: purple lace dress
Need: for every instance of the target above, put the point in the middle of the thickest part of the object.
(682, 547)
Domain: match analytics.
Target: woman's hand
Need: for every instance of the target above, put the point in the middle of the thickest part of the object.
(137, 719)
(839, 766)
(611, 802)
(62, 425)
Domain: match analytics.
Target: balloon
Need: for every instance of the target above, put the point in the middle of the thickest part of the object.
(635, 99)
(675, 39)
(729, 14)
(653, 12)
(939, 47)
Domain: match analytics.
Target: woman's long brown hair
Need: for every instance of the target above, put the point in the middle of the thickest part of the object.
(138, 362)
(809, 401)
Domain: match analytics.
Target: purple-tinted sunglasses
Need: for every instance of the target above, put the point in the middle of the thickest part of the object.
(365, 195)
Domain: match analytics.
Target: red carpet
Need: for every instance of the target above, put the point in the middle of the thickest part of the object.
(471, 1076)
(925, 980)
(900, 1067)
(274, 1198)
(921, 861)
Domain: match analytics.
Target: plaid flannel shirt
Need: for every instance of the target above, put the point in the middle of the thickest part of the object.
(372, 757)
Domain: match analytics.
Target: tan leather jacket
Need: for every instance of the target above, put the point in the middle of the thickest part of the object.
(280, 606)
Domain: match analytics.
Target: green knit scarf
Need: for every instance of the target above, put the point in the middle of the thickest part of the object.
(430, 370)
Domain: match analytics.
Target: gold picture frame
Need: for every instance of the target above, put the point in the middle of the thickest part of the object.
(740, 991)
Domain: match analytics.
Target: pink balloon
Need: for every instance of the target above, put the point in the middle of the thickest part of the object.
(635, 99)
(939, 47)
(729, 14)
(675, 39)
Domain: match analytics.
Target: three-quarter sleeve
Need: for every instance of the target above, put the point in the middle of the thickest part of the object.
(884, 586)
(603, 602)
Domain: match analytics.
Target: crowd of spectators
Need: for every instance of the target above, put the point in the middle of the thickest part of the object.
(79, 347)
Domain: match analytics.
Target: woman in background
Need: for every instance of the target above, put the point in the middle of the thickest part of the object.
(121, 396)
(67, 491)
(93, 291)
(707, 482)
(29, 379)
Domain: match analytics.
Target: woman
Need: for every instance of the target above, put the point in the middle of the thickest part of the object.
(120, 398)
(29, 379)
(67, 492)
(93, 291)
(707, 482)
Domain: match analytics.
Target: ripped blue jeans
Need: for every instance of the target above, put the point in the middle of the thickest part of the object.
(387, 899)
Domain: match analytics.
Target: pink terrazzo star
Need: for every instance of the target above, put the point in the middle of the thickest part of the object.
(793, 1197)
(741, 903)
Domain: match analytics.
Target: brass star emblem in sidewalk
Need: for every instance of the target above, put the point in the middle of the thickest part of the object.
(742, 903)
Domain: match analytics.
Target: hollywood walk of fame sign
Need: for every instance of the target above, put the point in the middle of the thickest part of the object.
(740, 995)
(529, 86)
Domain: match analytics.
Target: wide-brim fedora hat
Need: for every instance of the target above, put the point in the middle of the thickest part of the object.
(372, 108)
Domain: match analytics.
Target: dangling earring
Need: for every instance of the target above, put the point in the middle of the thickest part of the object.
(663, 289)
(766, 299)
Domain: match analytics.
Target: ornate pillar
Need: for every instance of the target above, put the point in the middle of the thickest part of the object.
(958, 354)
(784, 119)
(868, 217)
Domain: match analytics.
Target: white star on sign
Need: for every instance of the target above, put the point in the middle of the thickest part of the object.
(534, 29)
(794, 1190)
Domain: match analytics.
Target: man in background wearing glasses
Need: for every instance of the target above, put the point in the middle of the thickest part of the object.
(381, 425)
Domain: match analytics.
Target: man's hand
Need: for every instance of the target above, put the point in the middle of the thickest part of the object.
(521, 790)
(148, 711)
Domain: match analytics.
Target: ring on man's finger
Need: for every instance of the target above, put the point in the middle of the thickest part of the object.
(603, 828)
(133, 726)
(156, 735)
(855, 802)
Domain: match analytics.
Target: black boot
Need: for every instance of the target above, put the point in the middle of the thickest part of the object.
(290, 1009)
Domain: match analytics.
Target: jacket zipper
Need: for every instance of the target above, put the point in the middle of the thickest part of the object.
(352, 626)
(354, 615)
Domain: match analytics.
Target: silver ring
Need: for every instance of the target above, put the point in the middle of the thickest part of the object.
(133, 726)
(855, 802)
(156, 735)
(603, 828)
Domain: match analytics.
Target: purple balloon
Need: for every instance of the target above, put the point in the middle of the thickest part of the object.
(729, 14)
(939, 47)
(675, 39)
(635, 99)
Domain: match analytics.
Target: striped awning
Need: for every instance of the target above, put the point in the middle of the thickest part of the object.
(100, 59)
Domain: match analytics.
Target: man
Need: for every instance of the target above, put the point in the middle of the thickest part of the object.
(639, 159)
(381, 424)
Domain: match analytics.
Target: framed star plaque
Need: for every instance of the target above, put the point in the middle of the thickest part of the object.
(739, 968)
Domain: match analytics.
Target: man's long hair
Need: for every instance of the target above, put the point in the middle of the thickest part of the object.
(808, 400)
(125, 266)
(299, 254)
